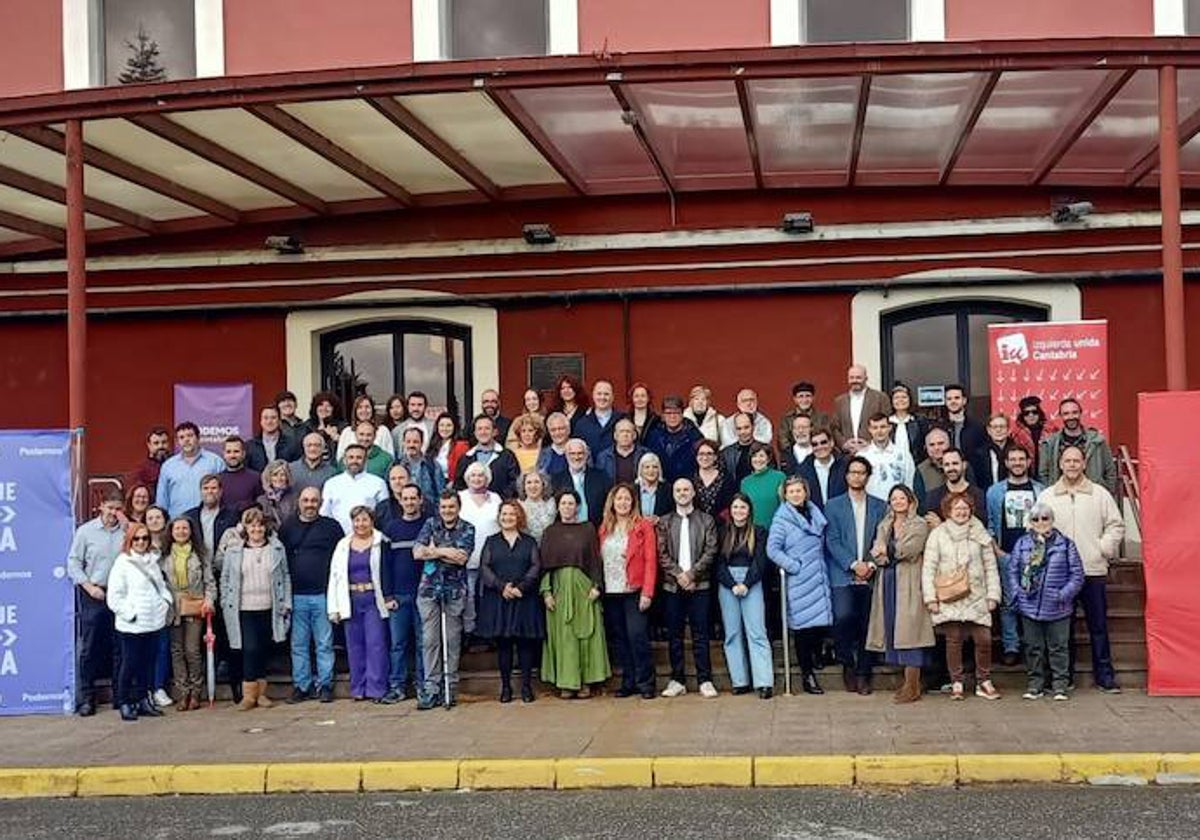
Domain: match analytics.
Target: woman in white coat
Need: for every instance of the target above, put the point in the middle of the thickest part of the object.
(355, 596)
(141, 602)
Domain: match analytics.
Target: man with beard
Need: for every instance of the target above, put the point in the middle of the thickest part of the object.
(157, 440)
(489, 404)
(954, 468)
(1100, 467)
(240, 485)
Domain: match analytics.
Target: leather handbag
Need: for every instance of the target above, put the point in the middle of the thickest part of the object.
(952, 586)
(188, 606)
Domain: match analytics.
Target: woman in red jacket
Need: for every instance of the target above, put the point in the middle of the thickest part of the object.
(627, 550)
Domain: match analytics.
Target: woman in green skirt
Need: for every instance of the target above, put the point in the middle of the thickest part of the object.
(575, 654)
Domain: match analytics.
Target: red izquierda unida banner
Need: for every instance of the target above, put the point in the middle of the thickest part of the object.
(1053, 361)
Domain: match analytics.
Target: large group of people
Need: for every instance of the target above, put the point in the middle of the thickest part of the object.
(569, 536)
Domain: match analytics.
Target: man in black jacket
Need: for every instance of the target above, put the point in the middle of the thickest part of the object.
(590, 483)
(824, 470)
(209, 521)
(274, 443)
(489, 452)
(310, 540)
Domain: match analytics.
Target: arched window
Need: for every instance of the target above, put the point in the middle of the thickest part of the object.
(942, 343)
(400, 357)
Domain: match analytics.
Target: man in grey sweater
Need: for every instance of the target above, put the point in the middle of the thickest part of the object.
(95, 547)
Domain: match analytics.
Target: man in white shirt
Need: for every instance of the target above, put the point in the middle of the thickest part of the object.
(354, 487)
(687, 547)
(891, 463)
(853, 409)
(747, 402)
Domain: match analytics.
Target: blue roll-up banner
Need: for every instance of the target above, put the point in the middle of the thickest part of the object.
(37, 600)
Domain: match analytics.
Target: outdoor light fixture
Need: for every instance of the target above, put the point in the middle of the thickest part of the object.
(797, 223)
(1071, 212)
(285, 244)
(539, 234)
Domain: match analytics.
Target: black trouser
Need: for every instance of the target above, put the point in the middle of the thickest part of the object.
(96, 647)
(138, 651)
(689, 608)
(629, 634)
(256, 643)
(772, 603)
(808, 647)
(1093, 597)
(527, 650)
(851, 615)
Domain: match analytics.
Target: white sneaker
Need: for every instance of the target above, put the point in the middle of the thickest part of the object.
(674, 689)
(162, 699)
(707, 689)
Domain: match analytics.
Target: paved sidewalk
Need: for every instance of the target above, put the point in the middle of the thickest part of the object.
(835, 724)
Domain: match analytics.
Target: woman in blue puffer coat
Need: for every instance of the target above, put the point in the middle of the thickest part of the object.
(1045, 574)
(796, 545)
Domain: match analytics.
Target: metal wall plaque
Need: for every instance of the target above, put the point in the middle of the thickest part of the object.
(545, 370)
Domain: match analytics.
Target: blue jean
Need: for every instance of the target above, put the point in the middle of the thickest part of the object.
(851, 614)
(1010, 638)
(745, 626)
(160, 668)
(1094, 600)
(310, 626)
(404, 625)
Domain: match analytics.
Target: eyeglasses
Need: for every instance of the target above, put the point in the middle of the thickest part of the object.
(140, 538)
(1030, 411)
(1041, 519)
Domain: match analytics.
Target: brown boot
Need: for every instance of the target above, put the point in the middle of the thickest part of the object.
(249, 696)
(264, 702)
(910, 691)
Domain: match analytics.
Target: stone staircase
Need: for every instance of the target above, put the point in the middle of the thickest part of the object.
(1127, 633)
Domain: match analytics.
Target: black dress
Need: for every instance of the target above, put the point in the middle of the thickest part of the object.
(500, 563)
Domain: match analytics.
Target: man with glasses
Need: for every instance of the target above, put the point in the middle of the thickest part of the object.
(747, 403)
(854, 518)
(674, 441)
(824, 469)
(93, 551)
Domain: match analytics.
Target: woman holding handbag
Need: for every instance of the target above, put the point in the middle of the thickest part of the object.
(961, 587)
(189, 575)
(900, 628)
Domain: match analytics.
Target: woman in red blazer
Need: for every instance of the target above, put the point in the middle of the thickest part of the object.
(628, 554)
(446, 446)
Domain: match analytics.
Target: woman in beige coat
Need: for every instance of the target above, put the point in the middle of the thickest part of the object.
(900, 628)
(961, 587)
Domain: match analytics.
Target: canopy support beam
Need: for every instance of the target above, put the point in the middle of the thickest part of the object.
(76, 289)
(1174, 322)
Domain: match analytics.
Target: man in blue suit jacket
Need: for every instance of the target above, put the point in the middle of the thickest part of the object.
(853, 518)
(832, 466)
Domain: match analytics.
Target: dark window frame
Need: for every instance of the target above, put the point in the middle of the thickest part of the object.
(446, 12)
(962, 310)
(397, 329)
(804, 26)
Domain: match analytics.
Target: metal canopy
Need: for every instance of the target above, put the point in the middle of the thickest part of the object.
(175, 157)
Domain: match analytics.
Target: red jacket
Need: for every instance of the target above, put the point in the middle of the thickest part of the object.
(641, 558)
(457, 449)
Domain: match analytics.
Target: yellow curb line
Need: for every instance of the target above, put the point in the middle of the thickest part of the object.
(597, 773)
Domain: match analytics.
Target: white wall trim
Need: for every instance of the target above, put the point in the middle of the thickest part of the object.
(77, 44)
(785, 22)
(927, 21)
(649, 240)
(210, 38)
(563, 28)
(303, 331)
(427, 30)
(1170, 17)
(867, 308)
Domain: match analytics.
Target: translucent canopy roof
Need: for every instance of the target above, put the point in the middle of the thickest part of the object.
(161, 159)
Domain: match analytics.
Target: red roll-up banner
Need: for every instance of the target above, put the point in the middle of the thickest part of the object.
(1168, 464)
(1052, 360)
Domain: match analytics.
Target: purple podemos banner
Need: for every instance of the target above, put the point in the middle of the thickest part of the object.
(219, 411)
(37, 599)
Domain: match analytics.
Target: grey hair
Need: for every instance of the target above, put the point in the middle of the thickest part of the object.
(587, 450)
(1041, 509)
(647, 458)
(474, 467)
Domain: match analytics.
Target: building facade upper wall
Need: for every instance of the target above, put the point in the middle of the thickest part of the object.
(53, 43)
(968, 20)
(32, 58)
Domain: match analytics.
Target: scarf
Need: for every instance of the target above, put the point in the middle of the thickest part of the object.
(179, 560)
(963, 535)
(1035, 569)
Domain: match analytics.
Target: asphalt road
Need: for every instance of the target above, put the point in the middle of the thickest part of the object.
(1055, 813)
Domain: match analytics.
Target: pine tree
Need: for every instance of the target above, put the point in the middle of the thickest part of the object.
(142, 65)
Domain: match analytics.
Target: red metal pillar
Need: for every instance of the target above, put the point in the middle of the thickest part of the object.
(76, 292)
(1174, 330)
